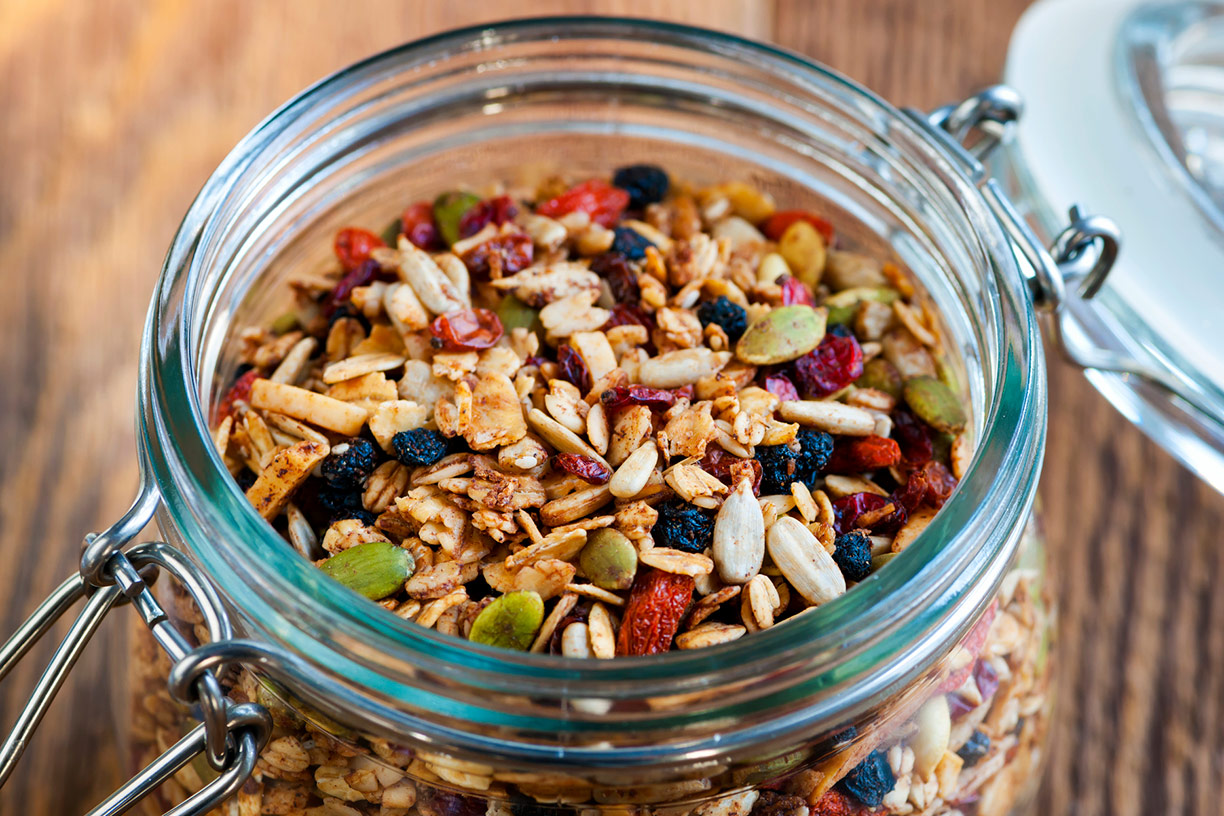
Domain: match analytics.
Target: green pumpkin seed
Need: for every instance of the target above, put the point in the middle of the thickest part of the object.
(844, 305)
(609, 559)
(390, 236)
(784, 334)
(515, 314)
(510, 622)
(881, 375)
(285, 323)
(374, 569)
(448, 209)
(880, 560)
(935, 404)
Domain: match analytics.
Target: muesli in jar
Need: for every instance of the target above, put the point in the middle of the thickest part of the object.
(614, 418)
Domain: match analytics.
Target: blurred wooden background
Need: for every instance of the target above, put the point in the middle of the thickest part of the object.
(112, 114)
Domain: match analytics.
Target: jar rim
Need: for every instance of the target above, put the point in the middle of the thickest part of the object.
(966, 540)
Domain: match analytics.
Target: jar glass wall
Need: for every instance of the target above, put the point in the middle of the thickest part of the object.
(797, 702)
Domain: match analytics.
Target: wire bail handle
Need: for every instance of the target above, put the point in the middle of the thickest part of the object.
(230, 735)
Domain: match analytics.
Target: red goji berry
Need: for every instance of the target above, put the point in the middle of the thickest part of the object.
(779, 221)
(417, 223)
(240, 391)
(353, 246)
(795, 291)
(496, 211)
(781, 387)
(860, 453)
(509, 253)
(584, 467)
(573, 368)
(657, 602)
(622, 395)
(830, 367)
(835, 803)
(466, 330)
(598, 199)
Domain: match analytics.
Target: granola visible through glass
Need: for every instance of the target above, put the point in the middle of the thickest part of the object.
(614, 417)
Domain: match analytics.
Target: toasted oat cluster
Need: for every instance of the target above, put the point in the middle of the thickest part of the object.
(598, 419)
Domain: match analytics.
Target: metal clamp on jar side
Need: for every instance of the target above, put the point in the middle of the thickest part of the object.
(1073, 269)
(230, 735)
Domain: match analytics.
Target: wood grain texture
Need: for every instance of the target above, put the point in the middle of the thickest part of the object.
(115, 112)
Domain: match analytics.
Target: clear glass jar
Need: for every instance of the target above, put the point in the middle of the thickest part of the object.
(379, 716)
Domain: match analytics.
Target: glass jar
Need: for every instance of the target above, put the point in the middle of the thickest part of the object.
(931, 678)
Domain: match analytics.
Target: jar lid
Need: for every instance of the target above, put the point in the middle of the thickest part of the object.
(1124, 111)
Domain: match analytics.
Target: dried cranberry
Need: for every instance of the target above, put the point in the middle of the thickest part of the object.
(861, 453)
(914, 437)
(862, 509)
(622, 395)
(509, 253)
(830, 367)
(684, 392)
(722, 466)
(417, 223)
(622, 280)
(598, 199)
(353, 246)
(781, 387)
(986, 678)
(584, 467)
(779, 221)
(629, 314)
(239, 391)
(573, 368)
(363, 275)
(466, 330)
(795, 291)
(496, 211)
(958, 706)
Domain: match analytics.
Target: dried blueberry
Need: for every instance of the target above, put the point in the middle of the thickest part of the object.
(349, 463)
(853, 554)
(245, 479)
(683, 526)
(731, 316)
(976, 747)
(645, 183)
(419, 446)
(815, 448)
(779, 468)
(870, 780)
(335, 503)
(630, 243)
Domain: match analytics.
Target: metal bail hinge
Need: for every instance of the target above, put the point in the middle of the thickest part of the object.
(230, 735)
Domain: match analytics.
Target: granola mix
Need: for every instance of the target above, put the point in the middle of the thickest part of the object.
(603, 420)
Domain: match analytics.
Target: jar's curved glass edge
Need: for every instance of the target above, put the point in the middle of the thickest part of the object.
(162, 350)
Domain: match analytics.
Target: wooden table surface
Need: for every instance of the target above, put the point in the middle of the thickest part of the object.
(112, 114)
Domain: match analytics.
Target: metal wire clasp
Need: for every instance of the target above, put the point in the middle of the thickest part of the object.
(229, 735)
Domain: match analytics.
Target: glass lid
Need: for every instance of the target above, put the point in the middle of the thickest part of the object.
(1125, 112)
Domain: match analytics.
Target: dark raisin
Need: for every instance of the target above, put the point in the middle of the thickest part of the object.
(731, 316)
(630, 243)
(622, 280)
(683, 526)
(815, 448)
(574, 369)
(774, 803)
(976, 747)
(779, 468)
(349, 463)
(645, 183)
(245, 479)
(435, 802)
(419, 446)
(853, 555)
(870, 780)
